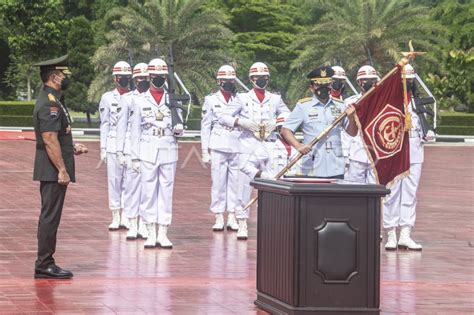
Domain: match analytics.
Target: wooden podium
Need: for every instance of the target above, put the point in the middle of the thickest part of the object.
(318, 247)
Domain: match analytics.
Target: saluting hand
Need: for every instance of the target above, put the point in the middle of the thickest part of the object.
(63, 178)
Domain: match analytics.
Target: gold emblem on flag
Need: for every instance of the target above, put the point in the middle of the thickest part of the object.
(386, 132)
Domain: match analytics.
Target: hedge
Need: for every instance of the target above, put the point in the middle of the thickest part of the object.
(16, 110)
(455, 130)
(456, 119)
(16, 121)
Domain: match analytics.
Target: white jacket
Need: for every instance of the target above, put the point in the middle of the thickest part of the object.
(153, 137)
(108, 109)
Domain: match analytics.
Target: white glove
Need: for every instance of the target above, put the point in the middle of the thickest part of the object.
(136, 165)
(430, 136)
(121, 159)
(178, 129)
(248, 124)
(270, 125)
(206, 157)
(103, 155)
(267, 175)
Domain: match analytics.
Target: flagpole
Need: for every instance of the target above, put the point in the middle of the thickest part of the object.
(315, 140)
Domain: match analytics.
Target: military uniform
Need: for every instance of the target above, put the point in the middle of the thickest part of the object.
(156, 148)
(50, 115)
(326, 158)
(254, 153)
(109, 109)
(132, 187)
(223, 141)
(399, 207)
(359, 169)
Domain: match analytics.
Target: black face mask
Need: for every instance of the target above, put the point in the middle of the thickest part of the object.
(142, 86)
(338, 85)
(261, 82)
(367, 85)
(123, 81)
(65, 83)
(322, 92)
(228, 86)
(158, 82)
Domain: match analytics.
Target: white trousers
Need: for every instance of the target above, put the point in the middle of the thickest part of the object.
(250, 165)
(225, 180)
(157, 181)
(115, 176)
(360, 172)
(132, 190)
(399, 207)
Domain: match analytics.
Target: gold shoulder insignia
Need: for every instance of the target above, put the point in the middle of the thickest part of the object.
(304, 100)
(51, 98)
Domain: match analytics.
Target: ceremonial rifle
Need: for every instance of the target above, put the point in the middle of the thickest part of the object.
(175, 100)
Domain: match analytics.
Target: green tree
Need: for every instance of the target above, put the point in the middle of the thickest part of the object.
(81, 48)
(264, 31)
(145, 30)
(358, 32)
(35, 32)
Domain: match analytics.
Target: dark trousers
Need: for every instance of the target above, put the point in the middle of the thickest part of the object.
(52, 201)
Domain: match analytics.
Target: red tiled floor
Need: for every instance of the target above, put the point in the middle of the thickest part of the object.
(211, 273)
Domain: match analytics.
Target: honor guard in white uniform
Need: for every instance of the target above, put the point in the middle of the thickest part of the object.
(360, 169)
(109, 108)
(338, 85)
(155, 153)
(255, 112)
(220, 147)
(399, 207)
(313, 115)
(281, 151)
(132, 187)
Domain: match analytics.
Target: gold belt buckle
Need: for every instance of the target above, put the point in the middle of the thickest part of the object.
(262, 132)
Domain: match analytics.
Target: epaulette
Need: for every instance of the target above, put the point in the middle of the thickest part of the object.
(52, 99)
(304, 100)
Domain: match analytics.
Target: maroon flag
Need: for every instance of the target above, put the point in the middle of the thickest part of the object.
(381, 119)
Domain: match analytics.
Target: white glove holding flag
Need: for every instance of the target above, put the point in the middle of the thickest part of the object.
(178, 130)
(103, 155)
(248, 124)
(136, 165)
(121, 158)
(206, 157)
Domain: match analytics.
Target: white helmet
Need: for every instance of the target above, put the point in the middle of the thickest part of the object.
(122, 68)
(157, 66)
(409, 72)
(259, 68)
(226, 72)
(282, 118)
(339, 73)
(367, 72)
(140, 70)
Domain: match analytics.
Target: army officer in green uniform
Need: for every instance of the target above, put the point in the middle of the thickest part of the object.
(54, 162)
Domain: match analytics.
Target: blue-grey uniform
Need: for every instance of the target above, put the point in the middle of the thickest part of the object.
(326, 159)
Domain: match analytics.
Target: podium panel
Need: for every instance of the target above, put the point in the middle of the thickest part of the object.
(318, 247)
